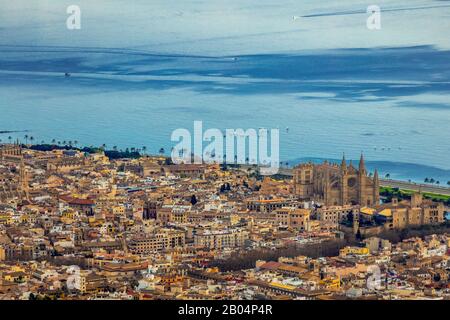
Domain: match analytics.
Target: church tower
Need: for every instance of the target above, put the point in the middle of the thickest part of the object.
(376, 188)
(355, 221)
(23, 180)
(327, 186)
(362, 181)
(343, 181)
(343, 164)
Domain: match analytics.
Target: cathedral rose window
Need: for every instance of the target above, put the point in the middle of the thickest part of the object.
(351, 182)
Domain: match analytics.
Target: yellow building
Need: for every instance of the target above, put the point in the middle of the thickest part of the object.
(293, 218)
(353, 251)
(417, 212)
(2, 254)
(330, 283)
(6, 219)
(16, 276)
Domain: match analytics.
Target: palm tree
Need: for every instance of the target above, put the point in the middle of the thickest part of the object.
(437, 182)
(448, 183)
(432, 180)
(427, 180)
(387, 176)
(53, 141)
(26, 139)
(115, 148)
(75, 142)
(31, 139)
(162, 151)
(144, 149)
(9, 138)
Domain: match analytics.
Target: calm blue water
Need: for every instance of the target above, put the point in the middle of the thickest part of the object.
(337, 87)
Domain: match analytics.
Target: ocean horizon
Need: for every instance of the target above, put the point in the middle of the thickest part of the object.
(349, 90)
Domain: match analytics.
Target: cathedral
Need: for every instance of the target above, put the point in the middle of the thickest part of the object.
(333, 184)
(13, 185)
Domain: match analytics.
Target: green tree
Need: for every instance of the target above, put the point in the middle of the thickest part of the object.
(193, 200)
(358, 235)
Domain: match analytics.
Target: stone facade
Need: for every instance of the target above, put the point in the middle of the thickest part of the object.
(333, 184)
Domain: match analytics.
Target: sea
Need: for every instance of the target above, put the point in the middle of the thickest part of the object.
(136, 72)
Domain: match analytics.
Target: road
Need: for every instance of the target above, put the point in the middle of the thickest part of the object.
(415, 186)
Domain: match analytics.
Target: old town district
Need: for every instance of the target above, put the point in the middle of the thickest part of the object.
(76, 225)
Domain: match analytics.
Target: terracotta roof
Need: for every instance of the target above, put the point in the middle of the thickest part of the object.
(77, 201)
(271, 265)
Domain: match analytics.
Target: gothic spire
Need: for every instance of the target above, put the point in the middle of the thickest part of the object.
(343, 163)
(362, 166)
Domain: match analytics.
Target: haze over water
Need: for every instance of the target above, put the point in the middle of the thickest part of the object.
(141, 70)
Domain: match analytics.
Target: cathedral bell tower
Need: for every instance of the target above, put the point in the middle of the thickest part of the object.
(343, 181)
(362, 173)
(376, 188)
(355, 221)
(23, 180)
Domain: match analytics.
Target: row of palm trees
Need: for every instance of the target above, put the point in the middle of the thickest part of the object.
(144, 149)
(32, 139)
(432, 180)
(427, 180)
(74, 143)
